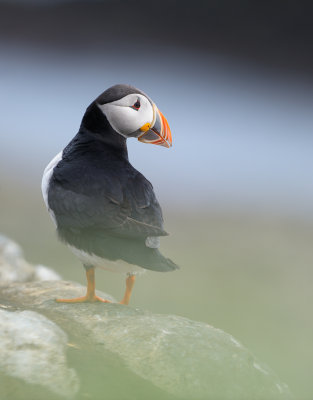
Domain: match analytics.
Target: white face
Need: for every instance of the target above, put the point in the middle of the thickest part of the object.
(128, 114)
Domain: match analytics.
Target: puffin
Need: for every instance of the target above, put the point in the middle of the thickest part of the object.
(105, 210)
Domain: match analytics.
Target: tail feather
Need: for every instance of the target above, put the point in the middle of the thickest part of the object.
(160, 263)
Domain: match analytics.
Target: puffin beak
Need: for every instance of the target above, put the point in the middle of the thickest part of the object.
(158, 132)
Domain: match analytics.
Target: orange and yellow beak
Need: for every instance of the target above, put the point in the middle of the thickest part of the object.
(158, 132)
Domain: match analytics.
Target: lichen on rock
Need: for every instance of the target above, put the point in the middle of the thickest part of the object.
(32, 348)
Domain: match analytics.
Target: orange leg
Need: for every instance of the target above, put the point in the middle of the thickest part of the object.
(91, 291)
(130, 281)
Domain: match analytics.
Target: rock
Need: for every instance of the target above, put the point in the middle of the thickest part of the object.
(122, 352)
(14, 268)
(43, 273)
(110, 350)
(9, 249)
(32, 348)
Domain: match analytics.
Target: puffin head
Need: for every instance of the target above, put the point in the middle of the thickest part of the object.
(131, 113)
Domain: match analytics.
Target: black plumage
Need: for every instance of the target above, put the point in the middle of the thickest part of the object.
(116, 92)
(101, 203)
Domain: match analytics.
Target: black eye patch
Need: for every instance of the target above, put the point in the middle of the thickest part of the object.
(136, 106)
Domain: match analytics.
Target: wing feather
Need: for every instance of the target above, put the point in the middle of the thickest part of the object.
(120, 205)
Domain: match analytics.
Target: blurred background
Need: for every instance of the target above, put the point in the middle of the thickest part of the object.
(234, 80)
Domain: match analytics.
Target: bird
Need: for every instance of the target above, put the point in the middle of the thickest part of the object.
(105, 210)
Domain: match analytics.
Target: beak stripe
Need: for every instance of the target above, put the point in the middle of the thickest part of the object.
(159, 134)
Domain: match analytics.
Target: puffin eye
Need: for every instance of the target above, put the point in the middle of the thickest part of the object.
(136, 106)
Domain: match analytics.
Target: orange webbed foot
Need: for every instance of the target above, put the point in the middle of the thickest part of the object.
(83, 299)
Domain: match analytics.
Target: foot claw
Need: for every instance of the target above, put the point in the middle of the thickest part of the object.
(97, 298)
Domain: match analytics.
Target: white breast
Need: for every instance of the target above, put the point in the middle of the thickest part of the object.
(46, 181)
